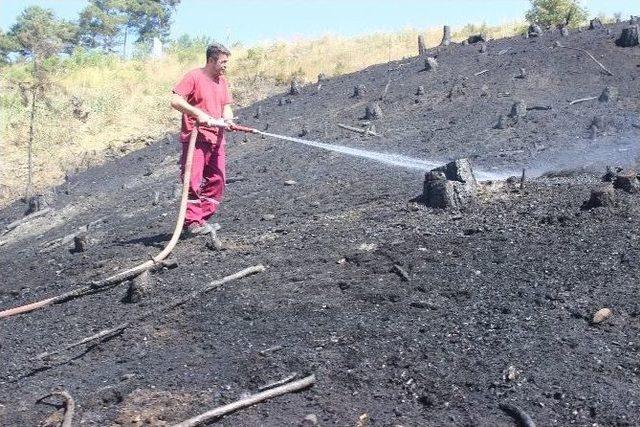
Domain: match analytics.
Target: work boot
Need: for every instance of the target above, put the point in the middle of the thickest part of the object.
(195, 229)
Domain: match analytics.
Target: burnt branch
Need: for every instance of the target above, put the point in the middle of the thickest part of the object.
(590, 56)
(248, 401)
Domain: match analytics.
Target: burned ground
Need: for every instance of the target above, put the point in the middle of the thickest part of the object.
(415, 316)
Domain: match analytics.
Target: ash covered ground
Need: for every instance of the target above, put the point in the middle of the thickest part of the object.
(410, 314)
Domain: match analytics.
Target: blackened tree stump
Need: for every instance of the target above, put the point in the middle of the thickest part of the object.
(36, 203)
(609, 94)
(534, 30)
(452, 186)
(359, 90)
(629, 36)
(422, 49)
(373, 111)
(80, 243)
(627, 180)
(601, 196)
(138, 288)
(460, 170)
(610, 174)
(595, 24)
(518, 110)
(430, 63)
(438, 192)
(446, 36)
(295, 87)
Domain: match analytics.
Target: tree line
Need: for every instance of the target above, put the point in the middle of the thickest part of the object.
(102, 24)
(107, 24)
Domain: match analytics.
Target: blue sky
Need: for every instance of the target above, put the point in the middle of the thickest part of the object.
(252, 21)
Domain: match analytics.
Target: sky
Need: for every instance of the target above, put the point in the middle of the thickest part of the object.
(252, 21)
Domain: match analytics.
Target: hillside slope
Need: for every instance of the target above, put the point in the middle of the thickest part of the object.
(495, 306)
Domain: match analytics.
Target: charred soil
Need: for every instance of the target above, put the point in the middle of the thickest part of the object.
(415, 316)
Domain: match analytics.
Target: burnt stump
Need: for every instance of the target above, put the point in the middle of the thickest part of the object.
(627, 180)
(373, 111)
(452, 186)
(601, 196)
(629, 36)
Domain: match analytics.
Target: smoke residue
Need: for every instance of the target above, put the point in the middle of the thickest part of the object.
(591, 157)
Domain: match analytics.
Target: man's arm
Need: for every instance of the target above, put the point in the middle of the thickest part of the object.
(179, 103)
(227, 114)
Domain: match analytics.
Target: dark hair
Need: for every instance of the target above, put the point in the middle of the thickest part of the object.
(214, 50)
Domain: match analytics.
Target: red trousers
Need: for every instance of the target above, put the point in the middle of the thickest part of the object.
(206, 185)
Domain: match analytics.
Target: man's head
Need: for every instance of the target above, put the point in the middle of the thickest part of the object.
(217, 58)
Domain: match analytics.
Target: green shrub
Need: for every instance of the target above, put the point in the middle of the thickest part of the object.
(556, 12)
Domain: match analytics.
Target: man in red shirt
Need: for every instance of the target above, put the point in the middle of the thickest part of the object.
(203, 96)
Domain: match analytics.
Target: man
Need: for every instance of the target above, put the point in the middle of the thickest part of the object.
(203, 96)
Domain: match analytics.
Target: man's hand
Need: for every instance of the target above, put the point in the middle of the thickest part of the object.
(206, 120)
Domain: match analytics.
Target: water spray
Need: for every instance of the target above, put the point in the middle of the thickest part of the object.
(385, 158)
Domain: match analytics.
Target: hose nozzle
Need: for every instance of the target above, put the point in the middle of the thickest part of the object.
(239, 128)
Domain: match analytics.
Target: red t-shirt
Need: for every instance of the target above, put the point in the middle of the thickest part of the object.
(208, 94)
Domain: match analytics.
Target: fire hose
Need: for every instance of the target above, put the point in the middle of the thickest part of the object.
(140, 268)
(157, 260)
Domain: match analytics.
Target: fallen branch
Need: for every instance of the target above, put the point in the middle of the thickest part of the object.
(270, 350)
(480, 72)
(108, 333)
(401, 272)
(576, 101)
(248, 401)
(503, 51)
(19, 222)
(69, 406)
(590, 56)
(524, 420)
(279, 382)
(362, 131)
(539, 107)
